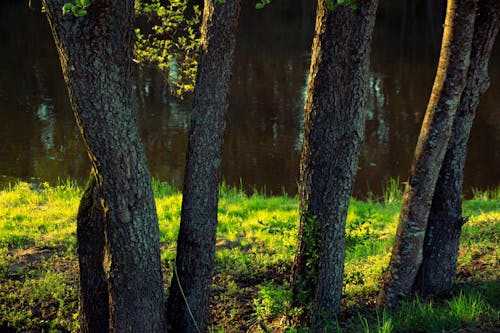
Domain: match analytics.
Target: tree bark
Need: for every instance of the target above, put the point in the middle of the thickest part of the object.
(333, 133)
(430, 151)
(93, 293)
(440, 252)
(96, 59)
(196, 242)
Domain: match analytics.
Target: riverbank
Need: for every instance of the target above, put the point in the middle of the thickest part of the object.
(255, 246)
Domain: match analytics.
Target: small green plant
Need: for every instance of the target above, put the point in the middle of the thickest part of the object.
(262, 4)
(385, 323)
(312, 247)
(392, 192)
(364, 323)
(79, 8)
(468, 307)
(272, 300)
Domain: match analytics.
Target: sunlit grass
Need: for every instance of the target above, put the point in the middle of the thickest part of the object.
(38, 216)
(256, 239)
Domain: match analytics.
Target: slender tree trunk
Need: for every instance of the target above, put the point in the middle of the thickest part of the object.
(96, 58)
(196, 243)
(431, 147)
(333, 133)
(440, 252)
(93, 296)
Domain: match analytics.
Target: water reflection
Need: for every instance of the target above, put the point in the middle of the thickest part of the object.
(39, 139)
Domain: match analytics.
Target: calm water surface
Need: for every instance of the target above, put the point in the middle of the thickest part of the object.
(39, 140)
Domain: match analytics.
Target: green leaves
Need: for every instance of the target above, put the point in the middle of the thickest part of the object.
(171, 41)
(79, 8)
(262, 4)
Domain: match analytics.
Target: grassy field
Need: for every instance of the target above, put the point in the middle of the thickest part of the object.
(255, 246)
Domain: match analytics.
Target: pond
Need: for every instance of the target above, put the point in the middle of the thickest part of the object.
(39, 140)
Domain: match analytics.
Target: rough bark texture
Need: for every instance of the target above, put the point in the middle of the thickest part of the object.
(431, 147)
(441, 243)
(333, 133)
(93, 296)
(96, 58)
(196, 242)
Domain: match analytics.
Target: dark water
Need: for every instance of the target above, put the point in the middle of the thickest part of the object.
(39, 140)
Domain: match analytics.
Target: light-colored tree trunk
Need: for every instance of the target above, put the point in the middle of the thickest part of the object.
(430, 151)
(333, 133)
(196, 243)
(440, 253)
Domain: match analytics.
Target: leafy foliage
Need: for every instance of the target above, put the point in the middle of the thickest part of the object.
(169, 40)
(79, 8)
(262, 3)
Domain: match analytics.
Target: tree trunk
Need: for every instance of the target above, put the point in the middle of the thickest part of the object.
(196, 242)
(333, 133)
(93, 296)
(440, 252)
(95, 51)
(431, 147)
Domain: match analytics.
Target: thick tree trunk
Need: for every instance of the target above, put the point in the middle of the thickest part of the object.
(93, 296)
(196, 242)
(333, 133)
(96, 58)
(440, 252)
(431, 147)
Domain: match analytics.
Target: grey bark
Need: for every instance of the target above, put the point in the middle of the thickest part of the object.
(333, 132)
(196, 241)
(430, 151)
(96, 59)
(441, 244)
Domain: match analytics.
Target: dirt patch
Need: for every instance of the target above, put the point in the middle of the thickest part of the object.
(35, 254)
(33, 259)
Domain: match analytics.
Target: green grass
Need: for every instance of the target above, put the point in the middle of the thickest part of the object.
(256, 241)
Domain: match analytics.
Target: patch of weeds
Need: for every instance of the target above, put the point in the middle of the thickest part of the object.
(392, 192)
(5, 257)
(274, 301)
(486, 195)
(276, 226)
(359, 230)
(382, 323)
(491, 291)
(467, 310)
(233, 261)
(163, 189)
(422, 316)
(46, 303)
(470, 307)
(230, 304)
